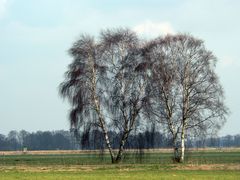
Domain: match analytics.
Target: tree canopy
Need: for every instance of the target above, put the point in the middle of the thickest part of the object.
(119, 83)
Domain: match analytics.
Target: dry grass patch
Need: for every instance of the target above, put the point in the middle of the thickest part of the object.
(58, 168)
(208, 167)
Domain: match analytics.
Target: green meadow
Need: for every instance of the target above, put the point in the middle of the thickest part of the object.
(145, 165)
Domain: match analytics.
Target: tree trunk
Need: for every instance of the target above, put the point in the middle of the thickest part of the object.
(126, 132)
(182, 146)
(106, 138)
(108, 144)
(104, 129)
(175, 151)
(100, 115)
(121, 147)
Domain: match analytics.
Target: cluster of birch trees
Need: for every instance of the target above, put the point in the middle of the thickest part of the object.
(118, 82)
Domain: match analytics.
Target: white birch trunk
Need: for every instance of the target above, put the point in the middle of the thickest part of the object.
(182, 146)
(121, 147)
(100, 116)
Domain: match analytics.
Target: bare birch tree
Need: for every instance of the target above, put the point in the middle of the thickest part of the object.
(103, 87)
(126, 86)
(83, 86)
(110, 82)
(186, 94)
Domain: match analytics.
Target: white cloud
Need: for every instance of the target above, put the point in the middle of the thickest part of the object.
(154, 29)
(227, 62)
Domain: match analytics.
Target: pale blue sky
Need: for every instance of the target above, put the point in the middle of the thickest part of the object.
(35, 36)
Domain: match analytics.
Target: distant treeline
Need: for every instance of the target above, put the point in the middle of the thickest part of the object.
(40, 140)
(67, 140)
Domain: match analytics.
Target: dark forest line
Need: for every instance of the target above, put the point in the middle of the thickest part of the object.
(70, 140)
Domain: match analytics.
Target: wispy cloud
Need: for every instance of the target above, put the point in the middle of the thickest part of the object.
(153, 29)
(228, 62)
(3, 4)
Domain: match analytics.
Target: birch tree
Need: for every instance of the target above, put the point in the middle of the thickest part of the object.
(84, 86)
(126, 85)
(186, 94)
(111, 81)
(103, 87)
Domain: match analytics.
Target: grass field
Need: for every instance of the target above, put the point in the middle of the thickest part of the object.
(201, 164)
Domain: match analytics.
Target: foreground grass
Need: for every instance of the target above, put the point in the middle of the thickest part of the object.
(130, 158)
(136, 165)
(115, 172)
